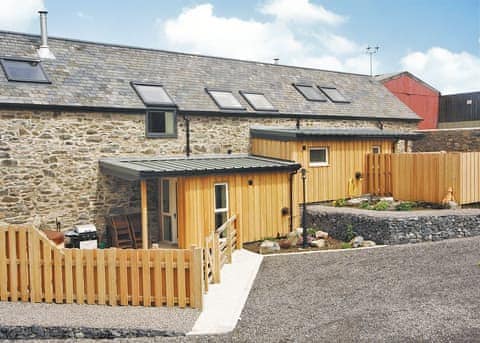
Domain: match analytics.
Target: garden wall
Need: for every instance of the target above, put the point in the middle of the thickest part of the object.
(392, 227)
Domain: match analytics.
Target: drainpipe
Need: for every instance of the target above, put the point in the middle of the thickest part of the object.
(291, 199)
(187, 134)
(298, 124)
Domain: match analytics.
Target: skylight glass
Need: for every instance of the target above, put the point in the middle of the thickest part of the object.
(24, 70)
(258, 101)
(153, 95)
(225, 100)
(310, 92)
(333, 94)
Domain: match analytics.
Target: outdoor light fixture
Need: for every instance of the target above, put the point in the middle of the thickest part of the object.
(304, 228)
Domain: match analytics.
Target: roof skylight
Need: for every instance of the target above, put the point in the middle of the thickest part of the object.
(153, 94)
(225, 100)
(258, 101)
(24, 70)
(333, 94)
(310, 92)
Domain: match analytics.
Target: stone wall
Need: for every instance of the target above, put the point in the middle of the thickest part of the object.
(387, 227)
(49, 160)
(449, 140)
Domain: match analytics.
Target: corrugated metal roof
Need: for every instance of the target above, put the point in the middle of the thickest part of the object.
(153, 167)
(310, 133)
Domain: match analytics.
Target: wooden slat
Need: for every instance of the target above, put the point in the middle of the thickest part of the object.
(13, 270)
(134, 277)
(58, 276)
(23, 266)
(112, 276)
(146, 283)
(123, 275)
(3, 266)
(35, 267)
(101, 284)
(90, 275)
(169, 278)
(47, 272)
(69, 277)
(157, 270)
(79, 276)
(181, 285)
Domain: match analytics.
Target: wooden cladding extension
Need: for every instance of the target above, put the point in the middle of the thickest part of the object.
(256, 198)
(33, 269)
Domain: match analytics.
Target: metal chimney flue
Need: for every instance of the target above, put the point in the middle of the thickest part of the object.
(44, 51)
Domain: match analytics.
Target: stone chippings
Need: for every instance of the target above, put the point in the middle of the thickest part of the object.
(394, 227)
(49, 160)
(57, 332)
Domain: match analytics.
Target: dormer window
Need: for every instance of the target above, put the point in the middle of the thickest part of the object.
(24, 70)
(225, 100)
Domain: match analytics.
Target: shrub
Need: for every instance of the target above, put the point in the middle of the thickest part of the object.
(381, 206)
(349, 234)
(405, 206)
(365, 205)
(345, 245)
(340, 203)
(311, 232)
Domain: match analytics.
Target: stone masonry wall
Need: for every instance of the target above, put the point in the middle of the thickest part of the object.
(395, 227)
(49, 160)
(449, 140)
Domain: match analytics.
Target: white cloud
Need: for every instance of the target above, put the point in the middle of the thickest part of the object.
(82, 15)
(17, 15)
(198, 30)
(300, 11)
(447, 71)
(336, 44)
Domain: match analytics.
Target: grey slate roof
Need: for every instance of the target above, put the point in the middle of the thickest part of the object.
(98, 75)
(289, 134)
(153, 167)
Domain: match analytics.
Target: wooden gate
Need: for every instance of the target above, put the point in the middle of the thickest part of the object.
(379, 174)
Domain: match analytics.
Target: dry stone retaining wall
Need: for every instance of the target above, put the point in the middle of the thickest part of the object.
(387, 227)
(49, 160)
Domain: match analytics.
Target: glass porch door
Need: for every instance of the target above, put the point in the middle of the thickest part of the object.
(168, 209)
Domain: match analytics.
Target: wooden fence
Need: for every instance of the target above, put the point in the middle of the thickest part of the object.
(219, 246)
(33, 269)
(425, 176)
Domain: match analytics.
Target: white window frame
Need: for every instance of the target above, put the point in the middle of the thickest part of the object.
(220, 210)
(319, 164)
(379, 149)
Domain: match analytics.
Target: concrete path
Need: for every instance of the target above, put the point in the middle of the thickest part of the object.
(224, 302)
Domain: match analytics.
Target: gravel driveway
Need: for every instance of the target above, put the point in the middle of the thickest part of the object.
(420, 292)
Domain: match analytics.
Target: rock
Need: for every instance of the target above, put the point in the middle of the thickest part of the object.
(320, 243)
(366, 244)
(356, 201)
(268, 247)
(451, 205)
(321, 234)
(356, 241)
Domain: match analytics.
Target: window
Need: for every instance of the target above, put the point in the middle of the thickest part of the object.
(160, 124)
(319, 157)
(24, 70)
(334, 94)
(376, 149)
(310, 92)
(225, 100)
(221, 204)
(153, 95)
(258, 101)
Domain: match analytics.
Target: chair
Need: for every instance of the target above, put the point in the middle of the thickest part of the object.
(135, 223)
(121, 234)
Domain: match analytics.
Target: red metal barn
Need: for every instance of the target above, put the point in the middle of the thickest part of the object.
(422, 98)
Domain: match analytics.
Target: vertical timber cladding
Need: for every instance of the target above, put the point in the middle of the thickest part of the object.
(256, 198)
(346, 157)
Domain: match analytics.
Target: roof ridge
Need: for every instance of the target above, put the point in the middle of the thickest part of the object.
(126, 46)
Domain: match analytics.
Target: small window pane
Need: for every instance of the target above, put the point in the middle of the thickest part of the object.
(225, 100)
(161, 123)
(153, 95)
(220, 196)
(333, 94)
(319, 156)
(258, 101)
(166, 196)
(376, 150)
(27, 71)
(167, 228)
(311, 93)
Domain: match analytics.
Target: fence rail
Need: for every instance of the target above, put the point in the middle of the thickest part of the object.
(33, 269)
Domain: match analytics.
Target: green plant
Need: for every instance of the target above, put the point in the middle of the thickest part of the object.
(340, 202)
(365, 205)
(311, 231)
(345, 245)
(405, 206)
(349, 234)
(382, 205)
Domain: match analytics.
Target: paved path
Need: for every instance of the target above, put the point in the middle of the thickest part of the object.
(419, 292)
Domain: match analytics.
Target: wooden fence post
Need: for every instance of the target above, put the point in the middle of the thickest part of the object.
(229, 243)
(196, 283)
(216, 258)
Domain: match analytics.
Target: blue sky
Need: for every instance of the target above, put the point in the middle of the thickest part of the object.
(437, 40)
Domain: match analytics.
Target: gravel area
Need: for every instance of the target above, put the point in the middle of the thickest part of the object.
(96, 316)
(409, 293)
